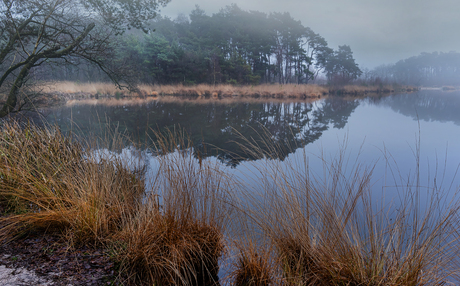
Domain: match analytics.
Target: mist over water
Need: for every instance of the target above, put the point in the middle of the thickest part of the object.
(382, 130)
(410, 141)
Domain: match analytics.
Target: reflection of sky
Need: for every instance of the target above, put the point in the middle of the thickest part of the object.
(374, 132)
(371, 131)
(380, 130)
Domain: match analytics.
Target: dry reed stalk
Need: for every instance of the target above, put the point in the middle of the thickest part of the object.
(252, 267)
(177, 236)
(51, 182)
(330, 232)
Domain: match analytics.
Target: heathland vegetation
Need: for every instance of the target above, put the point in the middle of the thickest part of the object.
(185, 219)
(181, 224)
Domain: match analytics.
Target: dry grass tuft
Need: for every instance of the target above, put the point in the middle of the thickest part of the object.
(252, 267)
(51, 182)
(329, 230)
(157, 249)
(177, 236)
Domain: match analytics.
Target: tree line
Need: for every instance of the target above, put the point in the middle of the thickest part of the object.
(232, 46)
(426, 69)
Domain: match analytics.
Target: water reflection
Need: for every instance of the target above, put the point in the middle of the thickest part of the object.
(214, 127)
(426, 105)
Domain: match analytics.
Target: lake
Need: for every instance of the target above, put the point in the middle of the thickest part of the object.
(383, 130)
(409, 141)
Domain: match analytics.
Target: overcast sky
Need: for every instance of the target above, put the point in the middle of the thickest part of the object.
(378, 31)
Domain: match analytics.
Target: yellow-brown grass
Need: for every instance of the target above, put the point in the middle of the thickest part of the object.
(74, 87)
(180, 242)
(71, 90)
(252, 266)
(257, 91)
(331, 231)
(51, 183)
(197, 91)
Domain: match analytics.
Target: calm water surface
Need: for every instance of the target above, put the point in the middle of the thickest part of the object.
(387, 133)
(382, 131)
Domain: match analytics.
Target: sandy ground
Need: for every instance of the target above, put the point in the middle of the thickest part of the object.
(20, 277)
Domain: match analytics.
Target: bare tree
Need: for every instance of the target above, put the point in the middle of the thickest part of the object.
(39, 32)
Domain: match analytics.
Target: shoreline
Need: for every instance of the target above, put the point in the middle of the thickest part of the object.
(287, 91)
(70, 92)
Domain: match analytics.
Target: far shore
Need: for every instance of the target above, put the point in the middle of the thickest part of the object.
(75, 90)
(66, 92)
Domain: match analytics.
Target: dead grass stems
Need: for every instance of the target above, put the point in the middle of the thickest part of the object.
(291, 228)
(332, 230)
(171, 234)
(72, 91)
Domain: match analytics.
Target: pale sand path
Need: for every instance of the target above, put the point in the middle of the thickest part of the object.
(21, 277)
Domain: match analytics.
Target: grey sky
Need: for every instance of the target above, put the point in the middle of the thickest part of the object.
(378, 31)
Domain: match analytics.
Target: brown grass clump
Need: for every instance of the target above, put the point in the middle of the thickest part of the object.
(252, 268)
(51, 182)
(331, 231)
(171, 234)
(177, 237)
(158, 249)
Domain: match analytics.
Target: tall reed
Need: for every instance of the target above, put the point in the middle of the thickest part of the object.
(331, 230)
(177, 237)
(50, 181)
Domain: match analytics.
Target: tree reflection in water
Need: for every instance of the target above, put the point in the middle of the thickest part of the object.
(214, 127)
